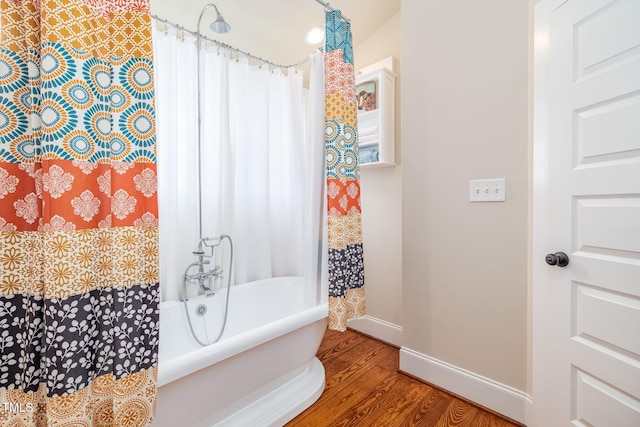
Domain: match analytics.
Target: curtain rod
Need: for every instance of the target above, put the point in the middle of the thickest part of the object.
(328, 7)
(226, 46)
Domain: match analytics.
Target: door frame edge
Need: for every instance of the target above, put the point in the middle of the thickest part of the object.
(540, 176)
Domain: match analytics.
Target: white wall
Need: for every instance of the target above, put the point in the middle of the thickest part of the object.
(465, 116)
(381, 208)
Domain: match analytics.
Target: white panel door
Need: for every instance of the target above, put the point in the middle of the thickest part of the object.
(586, 345)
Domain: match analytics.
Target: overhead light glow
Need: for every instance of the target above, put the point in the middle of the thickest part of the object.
(314, 36)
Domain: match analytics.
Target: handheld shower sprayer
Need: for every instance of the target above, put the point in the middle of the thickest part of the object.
(210, 242)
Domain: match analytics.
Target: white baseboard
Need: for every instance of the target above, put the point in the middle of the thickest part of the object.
(378, 328)
(491, 394)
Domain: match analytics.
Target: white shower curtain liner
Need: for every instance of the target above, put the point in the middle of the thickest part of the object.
(315, 228)
(260, 185)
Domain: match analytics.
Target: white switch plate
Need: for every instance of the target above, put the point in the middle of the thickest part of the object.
(487, 190)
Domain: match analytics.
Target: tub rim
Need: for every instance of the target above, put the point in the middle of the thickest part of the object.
(188, 363)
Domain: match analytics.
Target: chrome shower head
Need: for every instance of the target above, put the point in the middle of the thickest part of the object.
(220, 25)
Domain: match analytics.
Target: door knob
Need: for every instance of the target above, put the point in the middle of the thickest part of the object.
(559, 258)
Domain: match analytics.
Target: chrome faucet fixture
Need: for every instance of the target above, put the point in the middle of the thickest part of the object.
(196, 272)
(205, 278)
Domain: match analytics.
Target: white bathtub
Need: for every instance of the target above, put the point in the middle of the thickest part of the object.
(262, 372)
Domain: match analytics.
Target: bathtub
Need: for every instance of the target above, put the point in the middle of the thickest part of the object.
(262, 372)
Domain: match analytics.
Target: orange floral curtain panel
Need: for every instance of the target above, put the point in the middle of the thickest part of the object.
(345, 258)
(78, 214)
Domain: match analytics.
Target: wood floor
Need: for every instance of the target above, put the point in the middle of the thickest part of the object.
(364, 388)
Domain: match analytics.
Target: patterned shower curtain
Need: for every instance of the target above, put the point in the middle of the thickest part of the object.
(346, 265)
(78, 214)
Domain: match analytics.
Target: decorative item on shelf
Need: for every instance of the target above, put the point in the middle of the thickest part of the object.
(366, 96)
(375, 93)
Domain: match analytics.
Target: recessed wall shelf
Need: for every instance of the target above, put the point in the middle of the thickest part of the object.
(375, 92)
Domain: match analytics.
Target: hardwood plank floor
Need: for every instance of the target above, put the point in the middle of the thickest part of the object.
(364, 388)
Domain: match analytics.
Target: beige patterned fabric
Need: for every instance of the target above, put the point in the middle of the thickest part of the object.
(105, 403)
(342, 309)
(82, 260)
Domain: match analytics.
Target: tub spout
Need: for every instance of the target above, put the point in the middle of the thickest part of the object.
(201, 276)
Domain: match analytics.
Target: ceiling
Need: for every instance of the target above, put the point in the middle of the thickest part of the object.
(275, 29)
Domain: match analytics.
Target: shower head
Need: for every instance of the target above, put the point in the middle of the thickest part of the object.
(219, 25)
